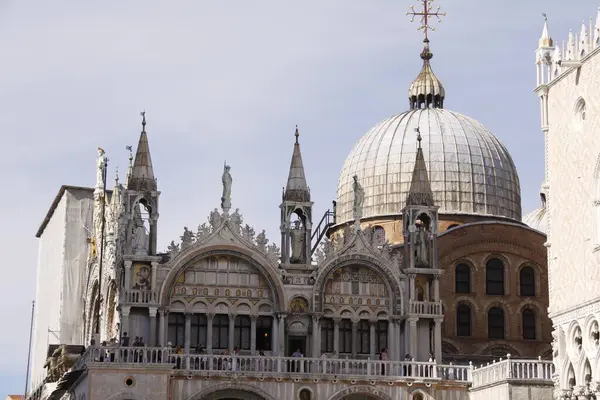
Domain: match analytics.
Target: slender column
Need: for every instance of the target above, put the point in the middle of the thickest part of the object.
(152, 333)
(127, 275)
(125, 320)
(274, 338)
(161, 327)
(354, 338)
(412, 324)
(166, 331)
(437, 338)
(188, 333)
(391, 334)
(154, 268)
(373, 339)
(209, 332)
(281, 335)
(231, 331)
(253, 333)
(411, 287)
(336, 335)
(316, 336)
(436, 288)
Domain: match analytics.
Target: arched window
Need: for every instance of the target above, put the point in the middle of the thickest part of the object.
(264, 328)
(327, 330)
(364, 337)
(241, 335)
(463, 320)
(496, 323)
(345, 336)
(220, 339)
(378, 236)
(527, 281)
(176, 327)
(528, 322)
(463, 278)
(494, 277)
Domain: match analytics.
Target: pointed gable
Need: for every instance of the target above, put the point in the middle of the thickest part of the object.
(296, 188)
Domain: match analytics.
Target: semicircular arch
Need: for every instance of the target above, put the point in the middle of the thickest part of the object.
(257, 261)
(369, 391)
(228, 389)
(390, 280)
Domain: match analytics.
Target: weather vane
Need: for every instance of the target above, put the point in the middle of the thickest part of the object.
(425, 16)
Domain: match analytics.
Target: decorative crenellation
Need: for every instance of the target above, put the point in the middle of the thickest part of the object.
(217, 222)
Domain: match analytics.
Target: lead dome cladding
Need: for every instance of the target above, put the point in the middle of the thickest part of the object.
(470, 171)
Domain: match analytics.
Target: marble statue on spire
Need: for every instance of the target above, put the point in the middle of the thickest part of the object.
(359, 198)
(227, 181)
(101, 163)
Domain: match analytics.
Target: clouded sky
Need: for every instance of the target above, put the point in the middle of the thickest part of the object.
(230, 80)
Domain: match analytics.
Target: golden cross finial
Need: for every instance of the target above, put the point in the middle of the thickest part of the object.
(425, 16)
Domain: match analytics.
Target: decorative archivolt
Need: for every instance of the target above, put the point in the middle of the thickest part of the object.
(222, 306)
(231, 388)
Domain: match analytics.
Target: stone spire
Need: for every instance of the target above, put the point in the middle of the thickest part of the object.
(545, 39)
(420, 193)
(296, 188)
(142, 175)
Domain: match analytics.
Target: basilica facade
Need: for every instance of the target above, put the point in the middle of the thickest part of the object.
(422, 266)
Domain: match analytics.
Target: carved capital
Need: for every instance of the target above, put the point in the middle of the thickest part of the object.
(152, 311)
(154, 264)
(438, 320)
(281, 316)
(412, 276)
(254, 317)
(128, 264)
(412, 320)
(316, 317)
(210, 316)
(373, 320)
(337, 320)
(125, 311)
(232, 316)
(187, 314)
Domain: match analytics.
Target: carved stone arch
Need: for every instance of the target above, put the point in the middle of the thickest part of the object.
(468, 301)
(235, 307)
(370, 391)
(583, 369)
(262, 303)
(500, 349)
(303, 389)
(341, 310)
(392, 281)
(178, 306)
(573, 351)
(418, 394)
(214, 306)
(498, 303)
(192, 306)
(253, 257)
(144, 199)
(212, 392)
(567, 373)
(128, 396)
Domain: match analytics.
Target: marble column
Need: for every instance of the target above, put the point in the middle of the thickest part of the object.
(354, 338)
(209, 332)
(128, 275)
(373, 339)
(125, 321)
(412, 324)
(188, 333)
(253, 334)
(316, 337)
(411, 287)
(231, 332)
(152, 334)
(436, 288)
(391, 335)
(161, 327)
(437, 339)
(154, 269)
(274, 338)
(336, 336)
(281, 335)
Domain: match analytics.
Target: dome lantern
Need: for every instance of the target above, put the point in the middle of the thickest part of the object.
(426, 91)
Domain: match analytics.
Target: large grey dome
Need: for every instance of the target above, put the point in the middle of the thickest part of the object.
(470, 171)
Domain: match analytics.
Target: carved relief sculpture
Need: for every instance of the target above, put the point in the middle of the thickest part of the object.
(297, 238)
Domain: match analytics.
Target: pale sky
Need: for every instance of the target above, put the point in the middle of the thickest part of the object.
(230, 80)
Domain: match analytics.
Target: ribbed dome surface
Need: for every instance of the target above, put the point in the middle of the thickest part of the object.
(470, 171)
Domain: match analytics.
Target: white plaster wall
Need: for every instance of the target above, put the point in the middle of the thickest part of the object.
(507, 391)
(48, 290)
(572, 158)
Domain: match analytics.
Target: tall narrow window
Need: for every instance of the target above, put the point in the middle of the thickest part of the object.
(528, 323)
(327, 329)
(463, 320)
(496, 323)
(264, 329)
(494, 277)
(345, 336)
(177, 329)
(381, 331)
(198, 331)
(463, 278)
(220, 339)
(527, 281)
(364, 337)
(241, 336)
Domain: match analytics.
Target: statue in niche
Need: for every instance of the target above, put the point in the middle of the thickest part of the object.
(421, 245)
(297, 238)
(100, 168)
(359, 198)
(187, 238)
(215, 219)
(140, 234)
(261, 241)
(227, 181)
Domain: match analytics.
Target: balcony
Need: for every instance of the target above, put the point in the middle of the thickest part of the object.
(425, 308)
(139, 297)
(264, 366)
(509, 369)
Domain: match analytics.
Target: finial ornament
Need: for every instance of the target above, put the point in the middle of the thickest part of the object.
(419, 138)
(425, 16)
(545, 16)
(297, 134)
(143, 114)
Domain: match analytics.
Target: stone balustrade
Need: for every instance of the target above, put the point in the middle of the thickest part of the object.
(511, 369)
(261, 366)
(139, 297)
(431, 308)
